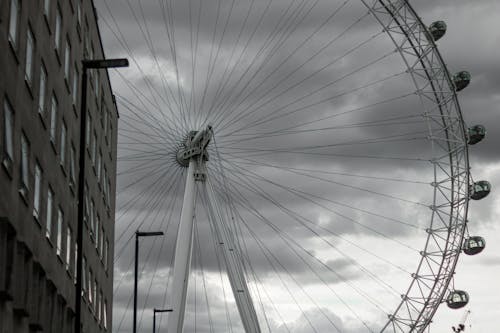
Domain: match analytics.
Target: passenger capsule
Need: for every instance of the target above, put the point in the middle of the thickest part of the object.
(476, 134)
(461, 80)
(437, 29)
(457, 299)
(479, 190)
(474, 245)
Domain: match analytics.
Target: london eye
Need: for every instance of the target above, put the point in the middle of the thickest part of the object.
(307, 160)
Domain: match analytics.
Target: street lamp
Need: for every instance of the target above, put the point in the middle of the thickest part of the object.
(86, 64)
(137, 235)
(155, 311)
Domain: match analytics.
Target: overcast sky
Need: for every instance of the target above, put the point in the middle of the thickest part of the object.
(319, 144)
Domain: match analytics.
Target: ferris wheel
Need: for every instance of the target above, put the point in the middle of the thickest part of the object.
(308, 161)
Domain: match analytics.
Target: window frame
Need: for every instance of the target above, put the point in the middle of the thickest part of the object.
(69, 239)
(24, 165)
(99, 166)
(67, 60)
(59, 233)
(46, 8)
(105, 315)
(101, 243)
(49, 213)
(88, 130)
(42, 89)
(84, 275)
(8, 138)
(13, 28)
(37, 191)
(72, 165)
(92, 219)
(97, 231)
(58, 29)
(54, 104)
(93, 149)
(106, 255)
(62, 145)
(90, 289)
(74, 93)
(30, 53)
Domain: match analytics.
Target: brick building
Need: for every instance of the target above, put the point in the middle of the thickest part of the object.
(42, 43)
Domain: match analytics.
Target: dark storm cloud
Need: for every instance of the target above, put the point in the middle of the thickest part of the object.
(329, 206)
(475, 50)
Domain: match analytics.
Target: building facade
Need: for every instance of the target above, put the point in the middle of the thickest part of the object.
(42, 43)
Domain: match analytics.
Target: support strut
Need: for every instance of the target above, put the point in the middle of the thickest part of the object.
(183, 249)
(193, 155)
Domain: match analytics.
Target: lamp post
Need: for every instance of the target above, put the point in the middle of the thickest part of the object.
(86, 64)
(136, 268)
(155, 311)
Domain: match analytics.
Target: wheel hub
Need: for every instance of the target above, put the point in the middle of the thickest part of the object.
(195, 146)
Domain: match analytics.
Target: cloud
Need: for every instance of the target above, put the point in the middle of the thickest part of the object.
(325, 153)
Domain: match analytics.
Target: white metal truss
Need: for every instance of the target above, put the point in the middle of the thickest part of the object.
(447, 134)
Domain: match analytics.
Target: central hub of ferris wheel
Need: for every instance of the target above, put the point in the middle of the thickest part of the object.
(195, 147)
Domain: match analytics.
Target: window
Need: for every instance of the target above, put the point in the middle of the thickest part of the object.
(37, 193)
(101, 243)
(86, 210)
(106, 120)
(110, 131)
(53, 119)
(69, 235)
(99, 307)
(97, 227)
(50, 296)
(75, 84)
(50, 198)
(24, 164)
(42, 91)
(86, 41)
(8, 132)
(95, 294)
(106, 254)
(14, 17)
(59, 239)
(72, 171)
(84, 274)
(108, 192)
(91, 292)
(99, 159)
(57, 35)
(67, 62)
(30, 47)
(87, 130)
(93, 150)
(79, 14)
(105, 315)
(92, 212)
(104, 183)
(96, 77)
(63, 145)
(75, 261)
(46, 7)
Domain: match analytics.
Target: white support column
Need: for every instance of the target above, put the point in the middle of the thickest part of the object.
(183, 249)
(233, 260)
